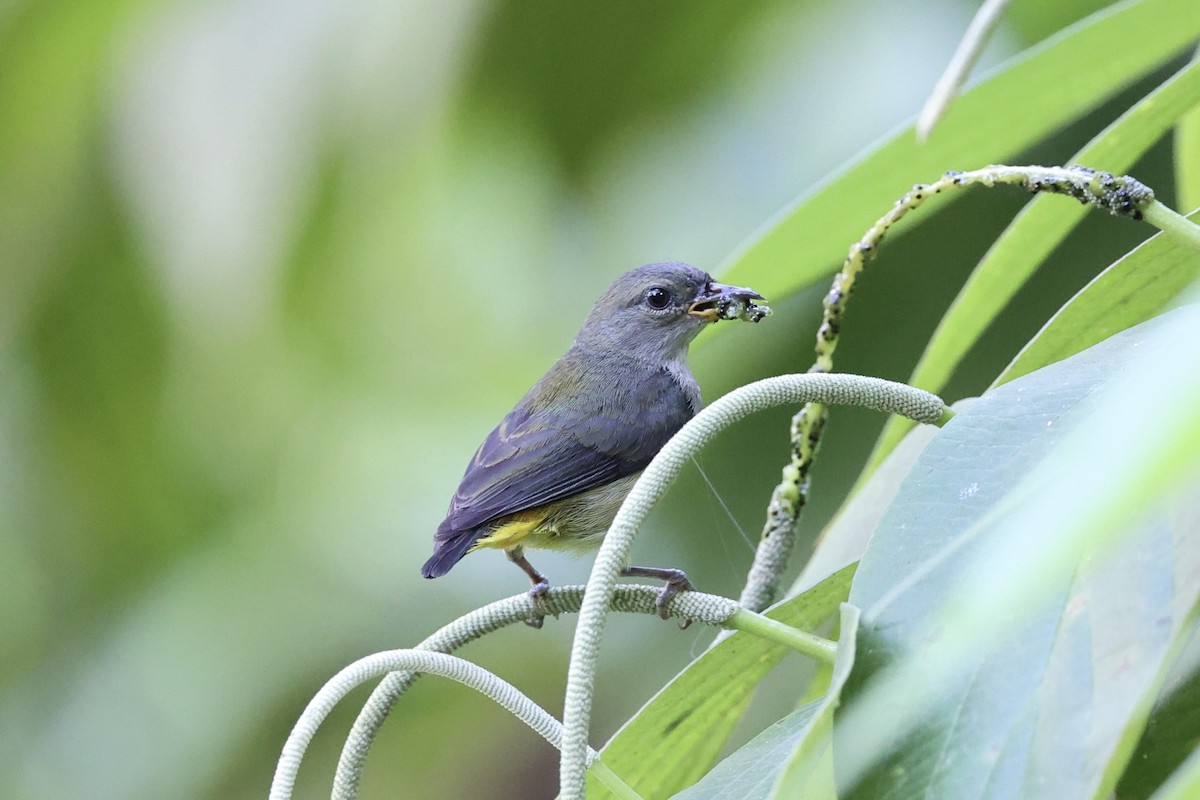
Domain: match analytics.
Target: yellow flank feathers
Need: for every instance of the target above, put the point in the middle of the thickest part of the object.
(510, 534)
(575, 524)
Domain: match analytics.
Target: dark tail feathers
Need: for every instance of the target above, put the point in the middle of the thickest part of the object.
(447, 553)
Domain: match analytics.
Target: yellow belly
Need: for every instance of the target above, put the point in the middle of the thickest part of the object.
(573, 524)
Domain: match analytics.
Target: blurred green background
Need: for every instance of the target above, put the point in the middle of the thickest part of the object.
(271, 269)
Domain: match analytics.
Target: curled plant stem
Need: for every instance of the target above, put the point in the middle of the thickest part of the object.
(1119, 195)
(447, 666)
(632, 598)
(614, 550)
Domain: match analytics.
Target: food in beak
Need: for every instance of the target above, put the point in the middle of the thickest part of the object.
(719, 301)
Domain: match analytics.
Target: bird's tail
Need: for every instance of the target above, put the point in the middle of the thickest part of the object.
(448, 552)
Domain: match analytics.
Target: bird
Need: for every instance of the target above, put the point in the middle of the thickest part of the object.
(556, 469)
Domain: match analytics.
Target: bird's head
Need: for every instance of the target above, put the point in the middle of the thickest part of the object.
(656, 310)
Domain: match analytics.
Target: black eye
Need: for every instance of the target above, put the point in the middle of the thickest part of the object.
(658, 298)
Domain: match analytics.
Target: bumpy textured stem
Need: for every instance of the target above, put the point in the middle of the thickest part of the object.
(378, 664)
(630, 598)
(614, 551)
(788, 498)
(1121, 196)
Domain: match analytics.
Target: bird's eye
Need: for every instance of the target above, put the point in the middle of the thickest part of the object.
(658, 298)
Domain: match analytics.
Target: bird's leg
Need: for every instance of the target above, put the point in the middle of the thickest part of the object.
(540, 584)
(676, 582)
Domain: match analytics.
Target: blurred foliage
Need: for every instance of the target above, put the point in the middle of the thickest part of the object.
(272, 269)
(671, 55)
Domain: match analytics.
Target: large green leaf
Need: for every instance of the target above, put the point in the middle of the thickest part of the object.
(844, 541)
(808, 770)
(1030, 581)
(1139, 286)
(678, 735)
(1020, 103)
(1187, 160)
(751, 771)
(792, 757)
(1035, 234)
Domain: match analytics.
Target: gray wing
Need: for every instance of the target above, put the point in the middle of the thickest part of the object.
(550, 447)
(535, 457)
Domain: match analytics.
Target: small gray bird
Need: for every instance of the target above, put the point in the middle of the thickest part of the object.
(556, 469)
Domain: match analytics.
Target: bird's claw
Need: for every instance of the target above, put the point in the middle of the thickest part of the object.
(676, 583)
(537, 615)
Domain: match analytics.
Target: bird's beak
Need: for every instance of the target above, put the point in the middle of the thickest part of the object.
(720, 301)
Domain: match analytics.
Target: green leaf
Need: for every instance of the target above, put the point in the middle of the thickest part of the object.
(1040, 227)
(678, 735)
(1027, 98)
(808, 771)
(790, 758)
(844, 541)
(751, 771)
(1031, 580)
(1187, 160)
(1136, 288)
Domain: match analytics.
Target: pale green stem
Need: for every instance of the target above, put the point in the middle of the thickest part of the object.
(612, 781)
(1172, 223)
(802, 642)
(969, 49)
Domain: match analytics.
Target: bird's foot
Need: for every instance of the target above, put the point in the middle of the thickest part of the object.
(676, 581)
(536, 593)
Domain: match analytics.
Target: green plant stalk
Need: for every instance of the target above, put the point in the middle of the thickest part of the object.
(1119, 195)
(1172, 223)
(964, 58)
(612, 781)
(803, 642)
